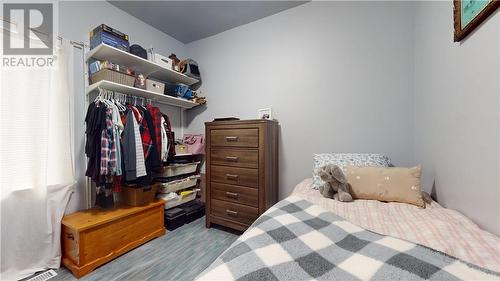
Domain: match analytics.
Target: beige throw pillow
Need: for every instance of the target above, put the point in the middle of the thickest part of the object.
(389, 184)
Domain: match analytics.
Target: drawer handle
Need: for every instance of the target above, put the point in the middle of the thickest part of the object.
(232, 195)
(231, 177)
(231, 138)
(70, 236)
(231, 213)
(231, 159)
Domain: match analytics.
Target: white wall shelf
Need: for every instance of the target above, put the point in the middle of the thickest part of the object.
(155, 97)
(138, 64)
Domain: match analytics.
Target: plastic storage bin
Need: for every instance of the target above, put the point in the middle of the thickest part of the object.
(177, 201)
(193, 210)
(176, 185)
(178, 169)
(174, 218)
(138, 196)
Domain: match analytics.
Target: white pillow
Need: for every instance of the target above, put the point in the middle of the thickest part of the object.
(347, 159)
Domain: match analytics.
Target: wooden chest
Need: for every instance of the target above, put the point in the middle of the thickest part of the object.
(241, 171)
(93, 237)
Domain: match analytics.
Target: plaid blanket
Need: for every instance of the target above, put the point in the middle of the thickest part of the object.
(297, 240)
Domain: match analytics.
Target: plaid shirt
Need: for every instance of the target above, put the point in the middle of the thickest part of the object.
(147, 141)
(108, 146)
(156, 116)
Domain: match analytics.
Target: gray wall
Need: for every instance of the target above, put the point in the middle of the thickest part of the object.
(457, 88)
(338, 75)
(76, 19)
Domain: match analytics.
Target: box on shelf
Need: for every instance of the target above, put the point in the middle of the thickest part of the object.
(94, 66)
(112, 76)
(110, 30)
(170, 90)
(139, 196)
(162, 61)
(155, 86)
(104, 34)
(178, 169)
(175, 218)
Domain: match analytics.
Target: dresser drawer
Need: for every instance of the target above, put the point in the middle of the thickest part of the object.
(233, 175)
(235, 158)
(236, 194)
(235, 137)
(233, 211)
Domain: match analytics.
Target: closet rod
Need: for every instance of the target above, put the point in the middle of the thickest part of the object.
(118, 95)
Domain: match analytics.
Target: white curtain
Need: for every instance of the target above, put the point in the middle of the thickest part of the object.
(36, 170)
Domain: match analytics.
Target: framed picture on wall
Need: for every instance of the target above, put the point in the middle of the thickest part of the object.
(469, 14)
(266, 113)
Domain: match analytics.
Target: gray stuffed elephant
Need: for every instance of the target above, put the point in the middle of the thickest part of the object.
(335, 182)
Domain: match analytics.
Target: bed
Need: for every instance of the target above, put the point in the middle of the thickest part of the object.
(306, 236)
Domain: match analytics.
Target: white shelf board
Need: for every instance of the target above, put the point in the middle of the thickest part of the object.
(165, 74)
(138, 64)
(155, 97)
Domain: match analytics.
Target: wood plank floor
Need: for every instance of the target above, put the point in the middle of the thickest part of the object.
(181, 254)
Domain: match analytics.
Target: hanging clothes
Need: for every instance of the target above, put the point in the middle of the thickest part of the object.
(158, 125)
(118, 129)
(140, 167)
(153, 162)
(124, 143)
(108, 146)
(164, 142)
(170, 135)
(95, 120)
(129, 148)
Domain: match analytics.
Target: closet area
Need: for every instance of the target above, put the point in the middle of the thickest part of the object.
(137, 168)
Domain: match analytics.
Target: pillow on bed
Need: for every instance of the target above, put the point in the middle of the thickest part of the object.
(345, 159)
(388, 184)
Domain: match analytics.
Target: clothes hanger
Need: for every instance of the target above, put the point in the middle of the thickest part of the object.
(118, 102)
(104, 97)
(98, 97)
(107, 99)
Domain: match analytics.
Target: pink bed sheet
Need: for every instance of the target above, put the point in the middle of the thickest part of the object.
(436, 227)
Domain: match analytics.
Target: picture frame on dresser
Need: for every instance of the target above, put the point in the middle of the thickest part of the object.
(469, 14)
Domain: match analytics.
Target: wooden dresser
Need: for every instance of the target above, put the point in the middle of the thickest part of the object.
(241, 171)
